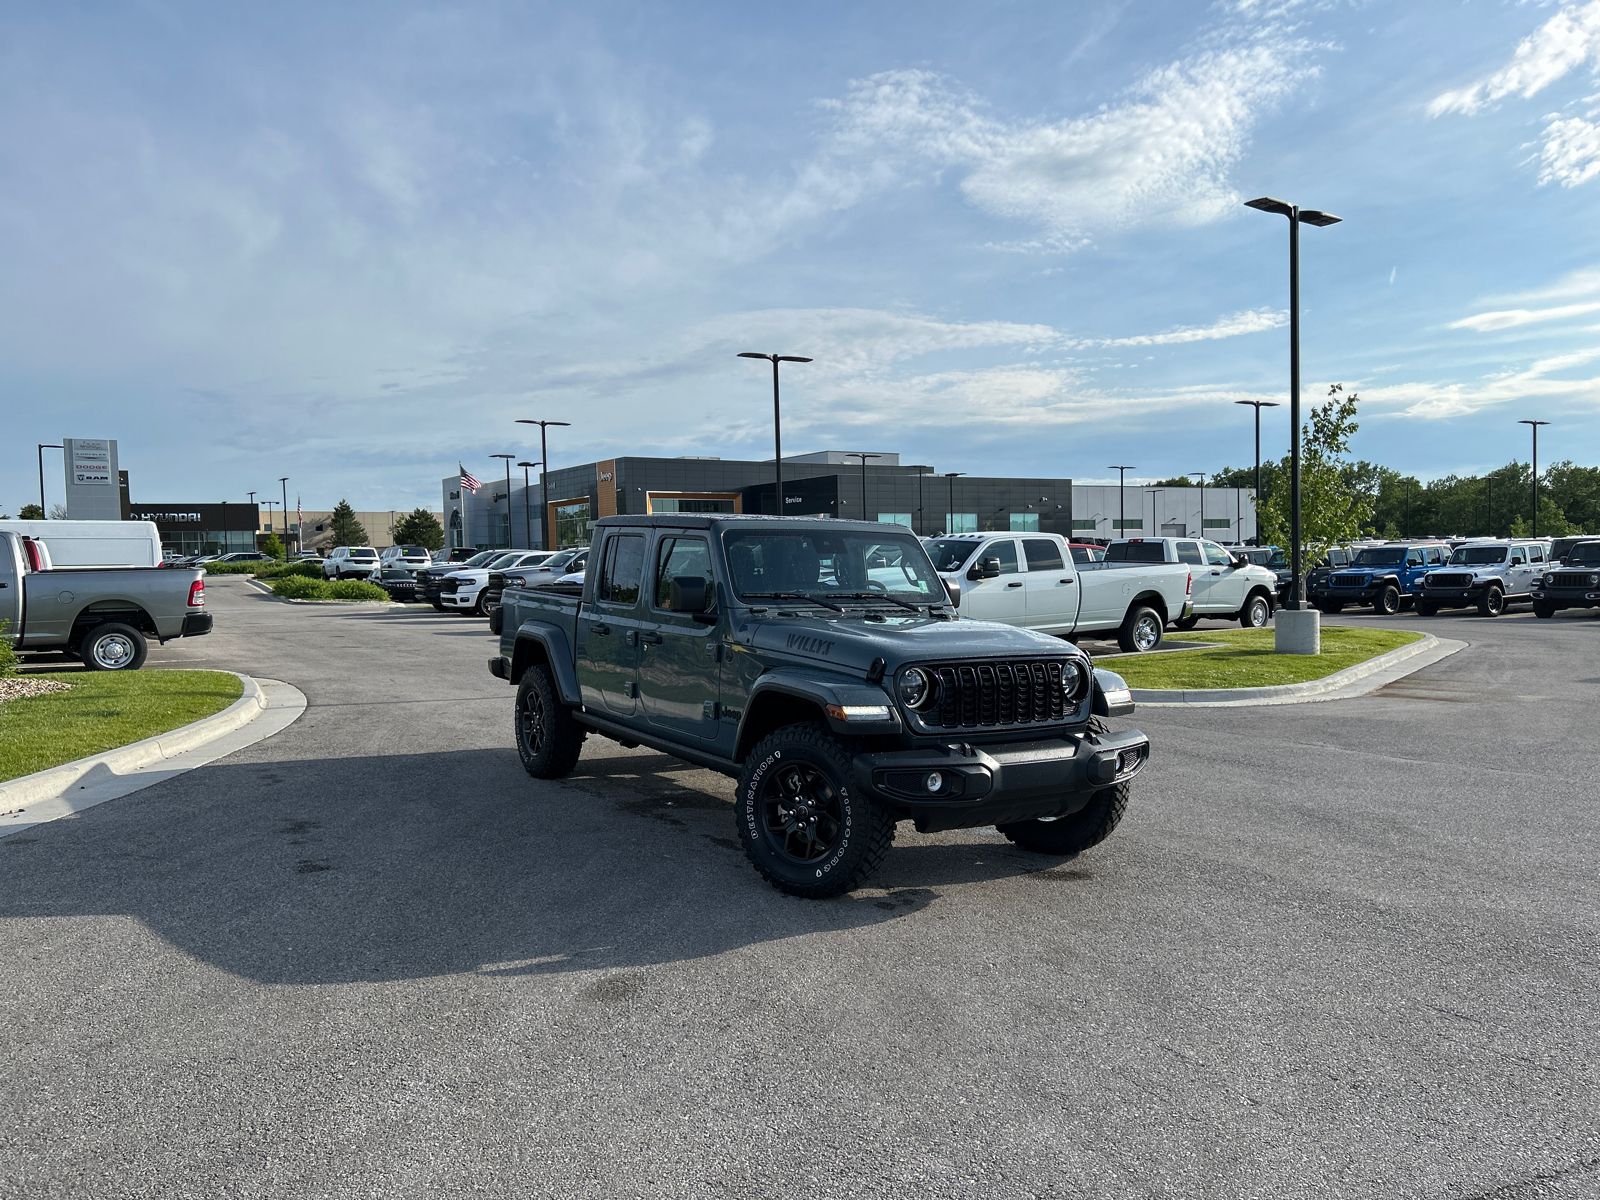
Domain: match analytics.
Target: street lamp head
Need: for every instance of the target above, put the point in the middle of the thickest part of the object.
(953, 474)
(1268, 205)
(529, 464)
(1260, 403)
(789, 358)
(1535, 423)
(525, 421)
(1312, 216)
(502, 456)
(753, 354)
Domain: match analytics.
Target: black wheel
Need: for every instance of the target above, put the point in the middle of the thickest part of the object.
(494, 620)
(113, 647)
(1387, 601)
(1257, 612)
(802, 822)
(477, 606)
(1141, 630)
(548, 739)
(1186, 623)
(1089, 826)
(1424, 609)
(1331, 607)
(438, 607)
(1492, 603)
(1543, 611)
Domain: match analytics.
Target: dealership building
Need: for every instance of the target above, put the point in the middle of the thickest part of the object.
(832, 483)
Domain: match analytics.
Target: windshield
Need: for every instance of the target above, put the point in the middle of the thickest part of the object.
(1381, 556)
(823, 564)
(478, 559)
(560, 559)
(949, 553)
(1136, 552)
(1587, 553)
(505, 560)
(1478, 556)
(1277, 559)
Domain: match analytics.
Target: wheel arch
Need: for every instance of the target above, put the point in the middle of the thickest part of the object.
(1150, 599)
(123, 611)
(541, 645)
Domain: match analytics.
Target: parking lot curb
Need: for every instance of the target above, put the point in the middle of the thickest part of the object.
(1341, 685)
(266, 707)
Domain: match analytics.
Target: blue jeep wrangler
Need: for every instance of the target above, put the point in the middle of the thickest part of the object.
(1385, 576)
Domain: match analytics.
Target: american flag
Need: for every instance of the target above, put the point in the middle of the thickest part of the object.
(468, 483)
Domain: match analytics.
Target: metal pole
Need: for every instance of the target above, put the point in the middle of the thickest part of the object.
(225, 527)
(1491, 505)
(43, 446)
(544, 490)
(777, 437)
(284, 481)
(1297, 587)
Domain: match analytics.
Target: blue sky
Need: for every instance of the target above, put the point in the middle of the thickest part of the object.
(352, 243)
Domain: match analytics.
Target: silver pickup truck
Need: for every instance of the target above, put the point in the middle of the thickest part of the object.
(103, 615)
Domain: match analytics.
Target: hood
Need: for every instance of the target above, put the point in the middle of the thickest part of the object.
(476, 574)
(851, 643)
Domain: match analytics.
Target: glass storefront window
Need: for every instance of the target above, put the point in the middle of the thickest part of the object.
(691, 504)
(961, 522)
(1029, 523)
(1130, 523)
(573, 525)
(895, 519)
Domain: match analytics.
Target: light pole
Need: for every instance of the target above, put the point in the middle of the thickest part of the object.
(1309, 216)
(43, 446)
(1258, 405)
(527, 508)
(950, 517)
(777, 433)
(269, 504)
(283, 481)
(1490, 480)
(510, 540)
(863, 458)
(544, 479)
(921, 519)
(1535, 425)
(1202, 475)
(1122, 498)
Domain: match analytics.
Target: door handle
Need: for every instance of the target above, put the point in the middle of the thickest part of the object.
(650, 638)
(1216, 572)
(600, 628)
(1017, 584)
(1069, 581)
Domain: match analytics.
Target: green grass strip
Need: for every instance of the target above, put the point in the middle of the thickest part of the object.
(1244, 658)
(104, 710)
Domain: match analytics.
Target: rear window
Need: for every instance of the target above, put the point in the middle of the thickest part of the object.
(363, 554)
(1136, 552)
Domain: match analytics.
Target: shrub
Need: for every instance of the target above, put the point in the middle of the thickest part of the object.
(310, 570)
(239, 568)
(272, 546)
(298, 587)
(355, 589)
(8, 656)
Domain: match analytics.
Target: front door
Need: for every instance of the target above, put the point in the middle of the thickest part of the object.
(1001, 598)
(1206, 578)
(1051, 587)
(609, 628)
(679, 669)
(1227, 591)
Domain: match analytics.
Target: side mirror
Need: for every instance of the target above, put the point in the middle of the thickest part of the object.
(989, 568)
(687, 594)
(1239, 560)
(1516, 560)
(952, 588)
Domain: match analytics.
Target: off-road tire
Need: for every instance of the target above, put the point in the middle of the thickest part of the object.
(1424, 609)
(113, 646)
(1387, 602)
(1492, 603)
(1543, 611)
(811, 765)
(1184, 624)
(1089, 826)
(1141, 630)
(548, 740)
(1331, 608)
(1256, 606)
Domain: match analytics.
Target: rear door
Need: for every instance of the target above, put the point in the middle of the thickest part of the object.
(609, 627)
(11, 586)
(679, 657)
(999, 599)
(1051, 586)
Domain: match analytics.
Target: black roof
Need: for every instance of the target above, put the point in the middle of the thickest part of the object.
(706, 520)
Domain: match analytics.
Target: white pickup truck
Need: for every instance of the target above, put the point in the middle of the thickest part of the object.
(1227, 586)
(1030, 580)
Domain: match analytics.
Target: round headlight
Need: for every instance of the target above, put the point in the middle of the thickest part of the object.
(1075, 681)
(1593, 579)
(914, 687)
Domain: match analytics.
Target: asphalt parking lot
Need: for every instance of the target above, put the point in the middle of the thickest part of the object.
(1336, 949)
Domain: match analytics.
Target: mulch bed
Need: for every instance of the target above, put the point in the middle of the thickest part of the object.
(15, 688)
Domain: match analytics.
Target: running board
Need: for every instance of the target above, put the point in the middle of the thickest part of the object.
(632, 737)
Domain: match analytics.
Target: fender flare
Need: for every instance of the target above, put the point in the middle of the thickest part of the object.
(823, 691)
(541, 641)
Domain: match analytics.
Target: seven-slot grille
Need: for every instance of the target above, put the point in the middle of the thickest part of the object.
(1348, 581)
(1442, 579)
(449, 585)
(992, 694)
(1571, 579)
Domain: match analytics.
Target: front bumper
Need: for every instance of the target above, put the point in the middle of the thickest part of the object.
(458, 599)
(1567, 597)
(1457, 597)
(993, 785)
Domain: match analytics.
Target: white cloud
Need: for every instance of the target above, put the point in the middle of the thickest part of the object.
(1537, 381)
(1571, 152)
(1562, 44)
(1161, 156)
(1255, 320)
(1585, 281)
(1510, 318)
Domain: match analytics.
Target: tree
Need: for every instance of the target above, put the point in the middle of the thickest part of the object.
(272, 547)
(1334, 507)
(1175, 481)
(344, 527)
(58, 512)
(30, 512)
(419, 527)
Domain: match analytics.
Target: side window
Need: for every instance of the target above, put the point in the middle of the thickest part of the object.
(619, 583)
(680, 558)
(1413, 558)
(1189, 552)
(1434, 557)
(1005, 551)
(1043, 554)
(1216, 556)
(1536, 554)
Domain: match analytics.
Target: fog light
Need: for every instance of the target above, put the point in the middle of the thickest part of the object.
(934, 781)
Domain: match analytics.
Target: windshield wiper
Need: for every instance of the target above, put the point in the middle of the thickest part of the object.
(791, 596)
(916, 608)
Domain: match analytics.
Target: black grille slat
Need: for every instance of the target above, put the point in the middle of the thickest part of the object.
(1442, 579)
(997, 695)
(1568, 579)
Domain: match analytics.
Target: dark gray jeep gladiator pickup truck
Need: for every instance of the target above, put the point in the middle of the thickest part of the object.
(822, 665)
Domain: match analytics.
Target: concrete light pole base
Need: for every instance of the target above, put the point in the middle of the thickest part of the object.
(1297, 631)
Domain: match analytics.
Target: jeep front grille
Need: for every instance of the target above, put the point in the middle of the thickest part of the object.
(995, 694)
(1440, 579)
(1348, 581)
(1569, 579)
